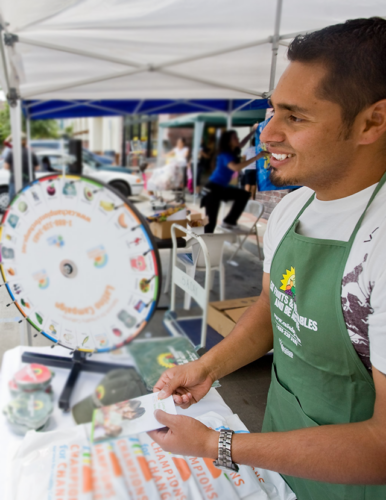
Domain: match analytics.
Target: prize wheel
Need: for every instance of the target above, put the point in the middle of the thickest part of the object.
(79, 262)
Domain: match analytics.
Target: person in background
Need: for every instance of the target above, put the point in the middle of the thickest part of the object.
(180, 152)
(181, 155)
(203, 165)
(46, 165)
(218, 189)
(250, 171)
(8, 165)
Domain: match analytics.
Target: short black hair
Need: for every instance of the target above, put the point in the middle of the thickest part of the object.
(355, 56)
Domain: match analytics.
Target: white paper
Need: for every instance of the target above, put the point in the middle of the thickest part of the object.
(130, 417)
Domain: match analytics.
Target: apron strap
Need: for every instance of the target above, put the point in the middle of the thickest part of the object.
(310, 200)
(358, 224)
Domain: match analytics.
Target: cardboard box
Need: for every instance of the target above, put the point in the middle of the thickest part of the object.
(197, 216)
(223, 315)
(162, 230)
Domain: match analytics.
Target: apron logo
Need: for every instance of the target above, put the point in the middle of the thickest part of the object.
(285, 302)
(288, 283)
(286, 351)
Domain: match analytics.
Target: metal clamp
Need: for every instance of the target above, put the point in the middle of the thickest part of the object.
(10, 39)
(12, 97)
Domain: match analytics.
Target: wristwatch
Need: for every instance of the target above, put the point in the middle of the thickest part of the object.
(224, 460)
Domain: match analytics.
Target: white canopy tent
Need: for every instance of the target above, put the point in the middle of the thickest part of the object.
(153, 49)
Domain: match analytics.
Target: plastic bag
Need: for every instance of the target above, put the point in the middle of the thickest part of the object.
(213, 482)
(136, 471)
(171, 473)
(170, 176)
(107, 474)
(52, 466)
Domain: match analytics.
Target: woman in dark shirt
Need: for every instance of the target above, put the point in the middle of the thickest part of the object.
(218, 189)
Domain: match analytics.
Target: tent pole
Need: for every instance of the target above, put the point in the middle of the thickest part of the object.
(15, 112)
(132, 64)
(159, 145)
(62, 108)
(30, 171)
(229, 115)
(149, 139)
(113, 76)
(123, 146)
(4, 61)
(197, 137)
(212, 83)
(275, 43)
(243, 105)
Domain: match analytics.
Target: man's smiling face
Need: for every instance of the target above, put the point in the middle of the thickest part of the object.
(306, 132)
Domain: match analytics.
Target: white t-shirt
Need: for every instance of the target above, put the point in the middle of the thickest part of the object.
(364, 281)
(181, 156)
(250, 153)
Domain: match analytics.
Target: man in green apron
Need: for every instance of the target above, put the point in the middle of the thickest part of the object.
(323, 304)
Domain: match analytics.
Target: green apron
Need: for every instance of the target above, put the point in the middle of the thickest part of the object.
(317, 376)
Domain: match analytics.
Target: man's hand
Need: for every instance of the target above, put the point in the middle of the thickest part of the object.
(185, 436)
(186, 383)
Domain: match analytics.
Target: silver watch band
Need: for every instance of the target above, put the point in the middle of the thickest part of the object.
(225, 451)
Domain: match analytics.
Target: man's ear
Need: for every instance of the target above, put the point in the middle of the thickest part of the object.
(373, 123)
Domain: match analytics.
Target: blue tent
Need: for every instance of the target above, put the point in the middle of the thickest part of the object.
(60, 109)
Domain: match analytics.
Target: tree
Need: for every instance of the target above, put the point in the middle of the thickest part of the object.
(44, 129)
(40, 129)
(5, 123)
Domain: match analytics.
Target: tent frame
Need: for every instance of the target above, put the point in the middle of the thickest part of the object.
(8, 40)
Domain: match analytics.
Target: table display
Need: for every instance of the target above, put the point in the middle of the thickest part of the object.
(79, 263)
(130, 467)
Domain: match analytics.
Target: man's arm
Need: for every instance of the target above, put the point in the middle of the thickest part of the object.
(351, 453)
(346, 454)
(6, 166)
(250, 339)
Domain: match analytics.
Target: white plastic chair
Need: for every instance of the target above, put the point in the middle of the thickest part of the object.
(254, 208)
(194, 260)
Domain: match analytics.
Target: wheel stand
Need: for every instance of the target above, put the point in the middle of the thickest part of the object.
(76, 365)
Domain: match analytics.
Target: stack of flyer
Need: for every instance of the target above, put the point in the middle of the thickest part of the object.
(109, 462)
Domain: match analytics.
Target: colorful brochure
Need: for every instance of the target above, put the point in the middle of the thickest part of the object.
(129, 417)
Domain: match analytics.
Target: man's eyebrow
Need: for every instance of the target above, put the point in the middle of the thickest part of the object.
(289, 107)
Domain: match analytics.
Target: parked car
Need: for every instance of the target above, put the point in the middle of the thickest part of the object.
(121, 179)
(4, 197)
(4, 182)
(61, 145)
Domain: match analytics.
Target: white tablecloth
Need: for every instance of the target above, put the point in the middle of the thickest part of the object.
(84, 387)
